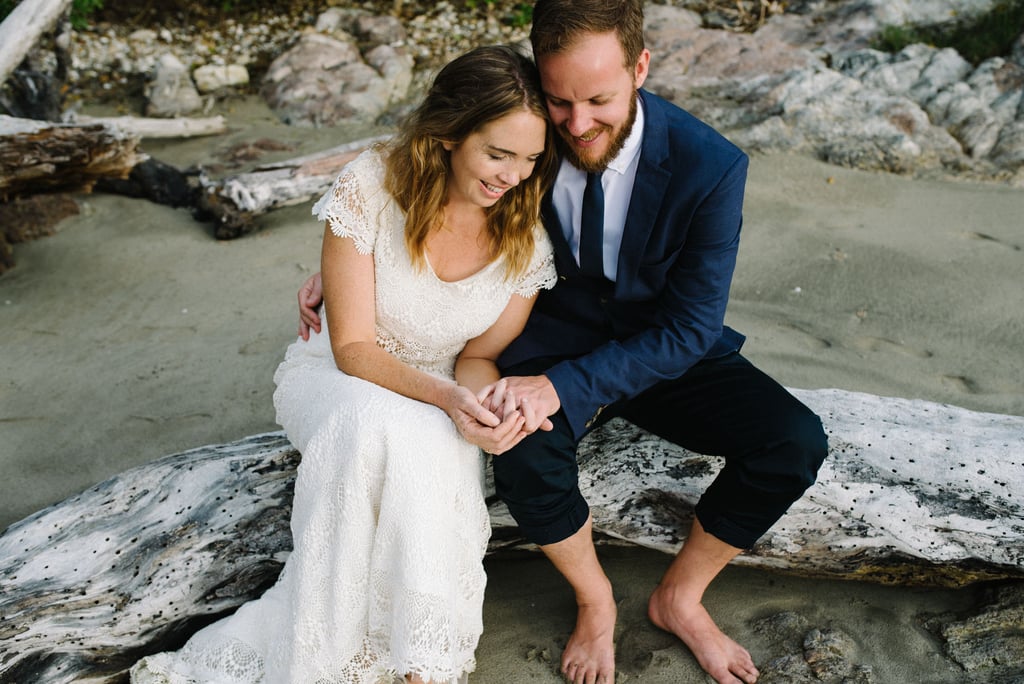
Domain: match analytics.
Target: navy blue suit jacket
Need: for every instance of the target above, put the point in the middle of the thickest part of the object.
(665, 311)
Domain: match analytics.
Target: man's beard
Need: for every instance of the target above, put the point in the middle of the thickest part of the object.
(600, 164)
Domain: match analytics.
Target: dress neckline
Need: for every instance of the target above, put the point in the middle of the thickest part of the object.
(430, 267)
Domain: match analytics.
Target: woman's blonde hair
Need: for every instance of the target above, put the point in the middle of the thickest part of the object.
(471, 91)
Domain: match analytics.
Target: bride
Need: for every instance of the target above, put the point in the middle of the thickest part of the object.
(431, 258)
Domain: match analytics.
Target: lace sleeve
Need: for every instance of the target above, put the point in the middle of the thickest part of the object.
(540, 274)
(354, 198)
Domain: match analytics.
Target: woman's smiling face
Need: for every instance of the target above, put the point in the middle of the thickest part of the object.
(495, 158)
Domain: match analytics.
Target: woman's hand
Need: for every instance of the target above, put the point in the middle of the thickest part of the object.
(495, 430)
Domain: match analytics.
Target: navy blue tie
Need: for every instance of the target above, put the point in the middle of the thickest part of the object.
(592, 228)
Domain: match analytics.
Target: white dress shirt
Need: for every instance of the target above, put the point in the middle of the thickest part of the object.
(617, 181)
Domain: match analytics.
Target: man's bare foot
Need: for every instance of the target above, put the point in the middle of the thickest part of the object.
(589, 657)
(721, 657)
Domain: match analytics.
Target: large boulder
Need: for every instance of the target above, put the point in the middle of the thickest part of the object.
(325, 81)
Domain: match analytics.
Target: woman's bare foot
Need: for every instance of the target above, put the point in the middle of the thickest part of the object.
(589, 657)
(721, 657)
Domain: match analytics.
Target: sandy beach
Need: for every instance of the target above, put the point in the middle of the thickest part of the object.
(132, 334)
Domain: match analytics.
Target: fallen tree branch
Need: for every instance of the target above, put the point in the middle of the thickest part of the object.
(22, 28)
(912, 493)
(151, 127)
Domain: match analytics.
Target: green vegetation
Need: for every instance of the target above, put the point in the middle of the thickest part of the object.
(522, 14)
(80, 10)
(976, 38)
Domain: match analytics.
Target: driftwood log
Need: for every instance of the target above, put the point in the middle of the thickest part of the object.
(236, 201)
(40, 156)
(151, 127)
(23, 27)
(913, 492)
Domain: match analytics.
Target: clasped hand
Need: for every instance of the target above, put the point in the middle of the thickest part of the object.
(497, 418)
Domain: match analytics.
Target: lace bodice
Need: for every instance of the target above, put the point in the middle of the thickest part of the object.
(421, 319)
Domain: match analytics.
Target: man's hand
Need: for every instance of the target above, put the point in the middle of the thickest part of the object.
(483, 427)
(535, 398)
(310, 295)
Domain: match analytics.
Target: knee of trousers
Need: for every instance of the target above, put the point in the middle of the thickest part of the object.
(751, 494)
(807, 447)
(539, 482)
(788, 458)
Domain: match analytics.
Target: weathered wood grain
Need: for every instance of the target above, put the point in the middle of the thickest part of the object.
(913, 492)
(22, 28)
(39, 156)
(236, 201)
(151, 127)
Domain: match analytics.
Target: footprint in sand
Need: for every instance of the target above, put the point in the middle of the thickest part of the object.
(972, 235)
(260, 345)
(960, 384)
(636, 645)
(809, 339)
(881, 344)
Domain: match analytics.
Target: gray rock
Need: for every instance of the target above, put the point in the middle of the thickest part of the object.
(784, 630)
(921, 110)
(851, 25)
(383, 30)
(988, 643)
(809, 655)
(918, 71)
(807, 81)
(211, 78)
(999, 83)
(828, 653)
(333, 19)
(787, 669)
(323, 81)
(395, 67)
(1009, 148)
(170, 91)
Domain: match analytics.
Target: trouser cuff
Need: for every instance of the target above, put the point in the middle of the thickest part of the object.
(559, 529)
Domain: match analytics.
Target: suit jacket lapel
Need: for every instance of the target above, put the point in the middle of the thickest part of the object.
(648, 192)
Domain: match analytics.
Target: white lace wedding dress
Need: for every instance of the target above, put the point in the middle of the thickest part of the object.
(389, 523)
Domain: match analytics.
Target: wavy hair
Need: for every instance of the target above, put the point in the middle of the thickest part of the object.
(471, 91)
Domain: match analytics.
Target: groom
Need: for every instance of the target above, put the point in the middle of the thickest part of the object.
(645, 218)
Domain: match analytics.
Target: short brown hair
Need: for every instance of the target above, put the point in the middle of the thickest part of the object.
(557, 24)
(474, 89)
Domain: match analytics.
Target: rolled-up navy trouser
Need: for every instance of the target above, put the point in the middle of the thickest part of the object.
(772, 444)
